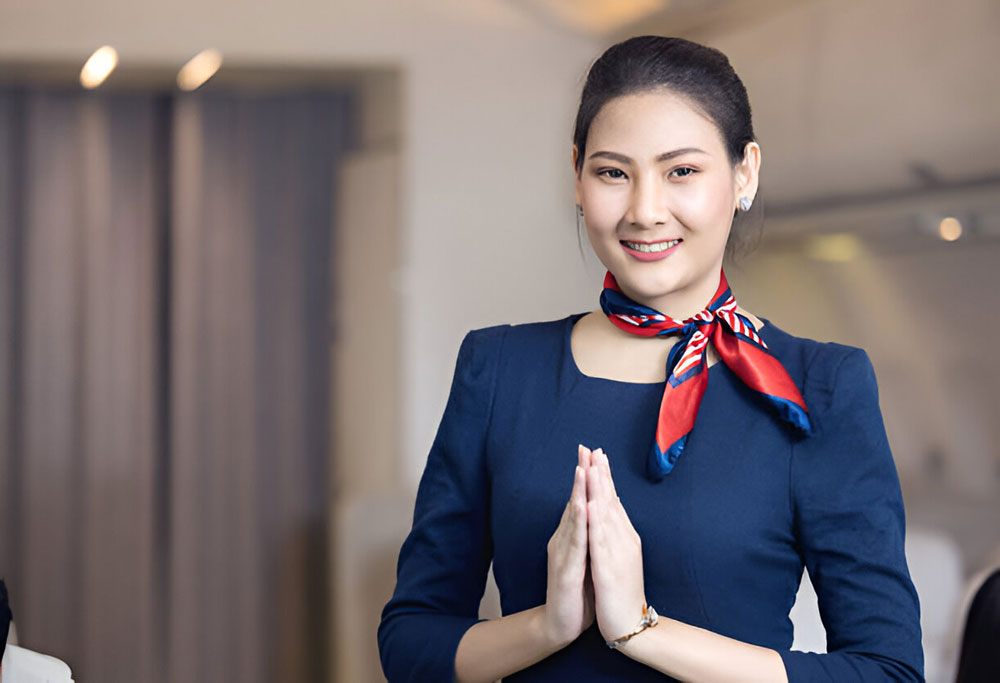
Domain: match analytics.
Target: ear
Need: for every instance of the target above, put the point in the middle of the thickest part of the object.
(576, 176)
(747, 175)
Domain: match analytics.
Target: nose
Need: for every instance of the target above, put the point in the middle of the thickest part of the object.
(648, 207)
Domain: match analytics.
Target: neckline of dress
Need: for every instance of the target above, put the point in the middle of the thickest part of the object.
(568, 351)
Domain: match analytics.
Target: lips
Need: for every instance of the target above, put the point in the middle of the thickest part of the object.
(651, 247)
(650, 251)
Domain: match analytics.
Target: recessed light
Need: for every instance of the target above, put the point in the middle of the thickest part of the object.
(950, 229)
(98, 67)
(199, 69)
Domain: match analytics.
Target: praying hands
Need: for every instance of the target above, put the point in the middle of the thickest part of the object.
(594, 559)
(595, 573)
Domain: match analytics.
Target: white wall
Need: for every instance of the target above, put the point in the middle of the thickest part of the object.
(492, 234)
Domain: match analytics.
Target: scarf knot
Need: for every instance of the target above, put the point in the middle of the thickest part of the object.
(738, 345)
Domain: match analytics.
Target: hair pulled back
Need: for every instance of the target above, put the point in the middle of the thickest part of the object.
(699, 73)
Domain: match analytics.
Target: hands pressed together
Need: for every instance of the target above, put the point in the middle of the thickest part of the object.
(594, 559)
(595, 573)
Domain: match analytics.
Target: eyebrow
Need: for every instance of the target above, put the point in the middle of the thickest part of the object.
(666, 156)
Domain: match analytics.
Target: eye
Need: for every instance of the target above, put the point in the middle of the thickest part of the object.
(612, 173)
(683, 171)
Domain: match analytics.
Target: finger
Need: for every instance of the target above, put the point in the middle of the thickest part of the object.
(576, 505)
(595, 529)
(606, 469)
(599, 541)
(582, 456)
(578, 496)
(567, 533)
(574, 493)
(593, 483)
(579, 504)
(617, 509)
(598, 489)
(604, 490)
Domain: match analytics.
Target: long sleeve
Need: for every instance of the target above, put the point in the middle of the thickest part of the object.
(850, 526)
(443, 563)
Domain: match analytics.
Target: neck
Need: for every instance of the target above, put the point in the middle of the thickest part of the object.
(683, 303)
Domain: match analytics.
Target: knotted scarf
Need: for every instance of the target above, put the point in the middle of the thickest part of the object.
(738, 346)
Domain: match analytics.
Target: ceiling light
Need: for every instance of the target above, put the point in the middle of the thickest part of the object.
(199, 69)
(950, 229)
(98, 67)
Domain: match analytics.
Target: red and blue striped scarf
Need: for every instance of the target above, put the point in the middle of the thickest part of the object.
(739, 347)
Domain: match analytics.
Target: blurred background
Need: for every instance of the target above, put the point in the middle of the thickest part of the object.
(230, 310)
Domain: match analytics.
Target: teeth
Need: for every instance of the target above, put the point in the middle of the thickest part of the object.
(651, 248)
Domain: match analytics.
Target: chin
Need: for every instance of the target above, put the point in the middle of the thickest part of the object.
(651, 286)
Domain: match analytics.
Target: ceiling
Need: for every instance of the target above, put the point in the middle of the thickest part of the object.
(612, 19)
(869, 114)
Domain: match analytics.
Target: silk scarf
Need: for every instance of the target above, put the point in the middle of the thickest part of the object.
(738, 345)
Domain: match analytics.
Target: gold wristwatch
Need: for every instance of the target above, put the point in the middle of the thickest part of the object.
(649, 619)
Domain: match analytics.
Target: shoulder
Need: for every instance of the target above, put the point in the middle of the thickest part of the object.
(847, 462)
(529, 332)
(827, 373)
(516, 352)
(518, 342)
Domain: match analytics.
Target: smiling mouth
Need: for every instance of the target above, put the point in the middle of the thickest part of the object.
(651, 247)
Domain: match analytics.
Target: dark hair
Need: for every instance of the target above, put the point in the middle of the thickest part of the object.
(701, 74)
(980, 658)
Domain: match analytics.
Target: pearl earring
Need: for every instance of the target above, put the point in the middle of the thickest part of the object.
(745, 203)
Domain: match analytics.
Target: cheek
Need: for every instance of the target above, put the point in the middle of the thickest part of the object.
(705, 207)
(603, 209)
(600, 235)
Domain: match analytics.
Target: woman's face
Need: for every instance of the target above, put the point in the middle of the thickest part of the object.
(658, 194)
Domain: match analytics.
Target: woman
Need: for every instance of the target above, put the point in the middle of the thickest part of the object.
(706, 521)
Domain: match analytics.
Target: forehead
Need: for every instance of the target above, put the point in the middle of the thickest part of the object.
(650, 123)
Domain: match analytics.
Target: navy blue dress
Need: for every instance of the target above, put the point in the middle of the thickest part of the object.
(724, 536)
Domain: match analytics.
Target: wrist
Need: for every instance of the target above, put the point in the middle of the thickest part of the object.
(647, 620)
(553, 634)
(647, 647)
